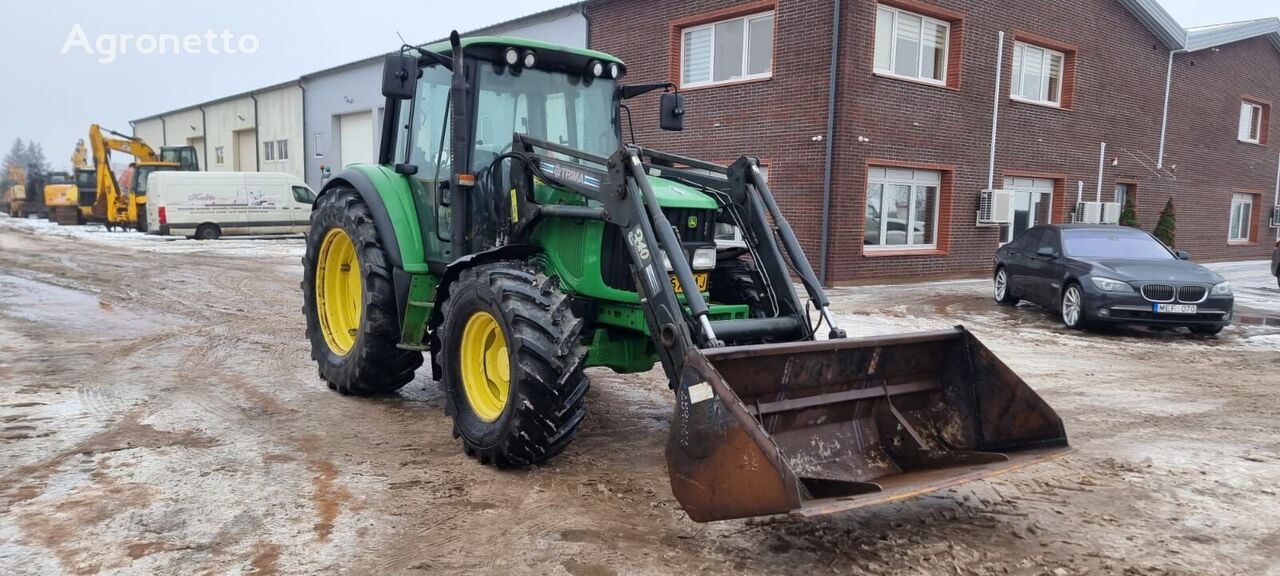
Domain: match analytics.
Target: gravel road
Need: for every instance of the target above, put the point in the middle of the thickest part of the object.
(159, 414)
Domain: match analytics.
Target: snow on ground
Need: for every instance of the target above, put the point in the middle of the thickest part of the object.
(98, 234)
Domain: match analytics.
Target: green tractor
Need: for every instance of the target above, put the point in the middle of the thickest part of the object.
(511, 234)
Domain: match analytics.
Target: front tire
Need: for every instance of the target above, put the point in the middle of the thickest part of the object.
(350, 302)
(208, 232)
(512, 365)
(1002, 293)
(1201, 330)
(1073, 308)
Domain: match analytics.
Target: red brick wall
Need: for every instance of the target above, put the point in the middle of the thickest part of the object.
(1212, 164)
(1115, 95)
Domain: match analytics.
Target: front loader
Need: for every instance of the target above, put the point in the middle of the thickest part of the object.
(509, 233)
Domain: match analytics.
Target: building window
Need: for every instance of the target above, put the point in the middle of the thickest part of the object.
(902, 208)
(1032, 205)
(218, 157)
(1241, 217)
(282, 150)
(737, 49)
(269, 151)
(1037, 74)
(1253, 122)
(315, 146)
(911, 46)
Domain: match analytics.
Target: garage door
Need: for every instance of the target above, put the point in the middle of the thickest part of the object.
(247, 151)
(355, 131)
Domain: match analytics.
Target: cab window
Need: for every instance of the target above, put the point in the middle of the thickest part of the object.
(303, 195)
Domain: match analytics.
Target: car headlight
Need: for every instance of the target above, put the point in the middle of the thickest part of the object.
(1223, 289)
(704, 259)
(1109, 285)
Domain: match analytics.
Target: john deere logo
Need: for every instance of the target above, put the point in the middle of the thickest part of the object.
(693, 222)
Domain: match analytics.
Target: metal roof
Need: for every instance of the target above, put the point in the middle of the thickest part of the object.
(1205, 37)
(1155, 18)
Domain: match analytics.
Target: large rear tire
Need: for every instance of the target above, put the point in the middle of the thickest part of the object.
(350, 301)
(512, 365)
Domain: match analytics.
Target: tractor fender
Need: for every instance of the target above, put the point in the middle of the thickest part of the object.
(451, 273)
(395, 215)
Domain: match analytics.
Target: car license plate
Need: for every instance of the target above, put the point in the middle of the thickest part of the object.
(700, 278)
(1174, 308)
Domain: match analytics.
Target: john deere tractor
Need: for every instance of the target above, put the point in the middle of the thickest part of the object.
(509, 234)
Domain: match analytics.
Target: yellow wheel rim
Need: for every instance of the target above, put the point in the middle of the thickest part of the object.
(339, 291)
(486, 368)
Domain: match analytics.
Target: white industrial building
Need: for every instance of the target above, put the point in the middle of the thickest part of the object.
(312, 126)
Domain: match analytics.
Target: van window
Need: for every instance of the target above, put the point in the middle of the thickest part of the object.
(303, 194)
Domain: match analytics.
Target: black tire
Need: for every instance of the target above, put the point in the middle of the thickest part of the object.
(373, 365)
(142, 221)
(210, 232)
(734, 282)
(545, 399)
(1006, 298)
(1080, 320)
(1202, 330)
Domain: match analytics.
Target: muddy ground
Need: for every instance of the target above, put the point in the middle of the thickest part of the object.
(159, 414)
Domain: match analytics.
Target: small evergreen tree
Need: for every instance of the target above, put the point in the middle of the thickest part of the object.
(1167, 227)
(1129, 215)
(34, 157)
(17, 153)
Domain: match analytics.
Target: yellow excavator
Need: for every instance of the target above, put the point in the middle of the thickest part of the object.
(12, 189)
(62, 194)
(124, 206)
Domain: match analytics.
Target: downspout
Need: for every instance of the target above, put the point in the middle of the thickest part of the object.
(303, 89)
(204, 137)
(164, 133)
(1164, 118)
(257, 138)
(995, 114)
(830, 152)
(1102, 161)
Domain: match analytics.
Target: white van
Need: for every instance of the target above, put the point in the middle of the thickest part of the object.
(207, 205)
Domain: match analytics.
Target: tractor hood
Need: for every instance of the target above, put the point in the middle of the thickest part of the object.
(672, 194)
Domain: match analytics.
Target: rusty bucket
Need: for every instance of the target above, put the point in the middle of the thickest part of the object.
(813, 428)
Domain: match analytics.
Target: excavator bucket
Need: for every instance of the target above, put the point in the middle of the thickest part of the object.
(813, 428)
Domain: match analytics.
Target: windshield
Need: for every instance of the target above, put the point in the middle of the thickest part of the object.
(140, 178)
(1118, 243)
(556, 107)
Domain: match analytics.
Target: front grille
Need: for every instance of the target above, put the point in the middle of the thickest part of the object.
(615, 266)
(1158, 292)
(1191, 293)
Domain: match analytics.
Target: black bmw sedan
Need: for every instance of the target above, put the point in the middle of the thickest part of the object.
(1111, 274)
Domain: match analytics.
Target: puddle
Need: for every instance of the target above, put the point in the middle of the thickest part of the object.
(46, 303)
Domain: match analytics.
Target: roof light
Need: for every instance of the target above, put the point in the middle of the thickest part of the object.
(615, 71)
(596, 68)
(529, 59)
(512, 56)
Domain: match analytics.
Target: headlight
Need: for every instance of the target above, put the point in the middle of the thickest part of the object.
(1223, 289)
(704, 258)
(1109, 285)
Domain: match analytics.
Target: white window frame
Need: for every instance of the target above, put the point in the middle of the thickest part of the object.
(218, 153)
(1246, 225)
(890, 180)
(282, 150)
(269, 151)
(316, 150)
(746, 46)
(893, 47)
(1019, 76)
(1255, 111)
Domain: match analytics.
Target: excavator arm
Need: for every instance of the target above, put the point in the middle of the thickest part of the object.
(111, 204)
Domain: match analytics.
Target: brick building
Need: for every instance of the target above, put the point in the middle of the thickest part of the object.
(911, 94)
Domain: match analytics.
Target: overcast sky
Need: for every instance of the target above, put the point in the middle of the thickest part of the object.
(52, 97)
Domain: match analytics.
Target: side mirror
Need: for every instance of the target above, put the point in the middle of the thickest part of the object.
(1046, 252)
(1183, 255)
(399, 76)
(672, 114)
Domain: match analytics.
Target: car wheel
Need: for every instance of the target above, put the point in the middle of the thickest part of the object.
(1206, 330)
(1003, 294)
(1073, 307)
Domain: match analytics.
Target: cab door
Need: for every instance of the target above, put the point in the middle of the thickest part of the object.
(300, 210)
(429, 133)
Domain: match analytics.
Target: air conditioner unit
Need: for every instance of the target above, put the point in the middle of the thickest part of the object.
(1111, 212)
(1088, 213)
(995, 207)
(1275, 217)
